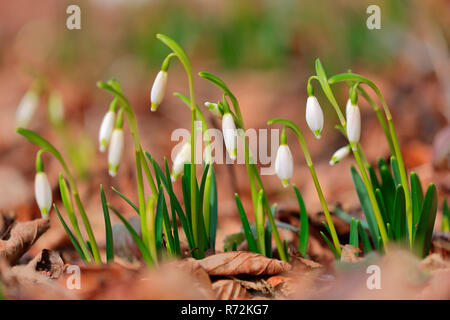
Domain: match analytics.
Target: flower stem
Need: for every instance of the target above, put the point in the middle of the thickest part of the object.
(289, 124)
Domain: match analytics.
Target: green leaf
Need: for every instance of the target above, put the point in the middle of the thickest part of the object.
(416, 197)
(395, 171)
(213, 210)
(169, 189)
(445, 227)
(330, 245)
(354, 233)
(108, 229)
(304, 224)
(126, 199)
(140, 244)
(366, 205)
(159, 223)
(71, 236)
(399, 222)
(388, 191)
(246, 226)
(364, 238)
(347, 217)
(425, 226)
(381, 206)
(166, 222)
(373, 178)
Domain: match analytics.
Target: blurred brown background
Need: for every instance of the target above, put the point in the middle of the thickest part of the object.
(264, 50)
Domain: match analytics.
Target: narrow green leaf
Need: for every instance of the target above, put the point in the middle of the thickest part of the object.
(395, 171)
(388, 191)
(141, 245)
(399, 222)
(416, 198)
(445, 227)
(246, 226)
(364, 238)
(330, 245)
(167, 228)
(381, 205)
(71, 236)
(373, 178)
(366, 205)
(126, 199)
(213, 209)
(304, 224)
(425, 226)
(108, 229)
(354, 233)
(169, 189)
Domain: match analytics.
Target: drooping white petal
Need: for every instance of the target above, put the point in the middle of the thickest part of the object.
(158, 90)
(353, 125)
(284, 164)
(340, 154)
(314, 116)
(214, 108)
(115, 151)
(229, 135)
(182, 157)
(347, 107)
(26, 109)
(106, 129)
(43, 193)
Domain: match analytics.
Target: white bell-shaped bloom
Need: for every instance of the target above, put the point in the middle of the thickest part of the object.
(214, 108)
(284, 164)
(353, 125)
(158, 89)
(229, 135)
(182, 157)
(314, 116)
(115, 151)
(26, 109)
(106, 129)
(43, 193)
(340, 154)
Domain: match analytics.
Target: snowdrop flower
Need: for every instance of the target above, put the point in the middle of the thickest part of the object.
(115, 151)
(214, 108)
(314, 116)
(182, 157)
(353, 125)
(284, 164)
(158, 89)
(347, 107)
(229, 135)
(340, 154)
(42, 189)
(106, 129)
(26, 109)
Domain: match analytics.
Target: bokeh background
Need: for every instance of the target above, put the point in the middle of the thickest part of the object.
(264, 50)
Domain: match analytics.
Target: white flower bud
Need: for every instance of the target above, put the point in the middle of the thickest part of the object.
(314, 116)
(214, 108)
(26, 109)
(347, 107)
(284, 164)
(229, 135)
(106, 129)
(115, 151)
(158, 90)
(353, 125)
(182, 157)
(340, 154)
(43, 193)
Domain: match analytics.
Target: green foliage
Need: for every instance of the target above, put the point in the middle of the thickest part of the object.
(391, 199)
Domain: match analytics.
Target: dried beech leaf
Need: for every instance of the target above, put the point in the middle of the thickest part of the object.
(348, 253)
(242, 262)
(22, 236)
(257, 285)
(228, 289)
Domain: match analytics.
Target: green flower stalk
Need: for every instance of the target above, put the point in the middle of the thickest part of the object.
(289, 124)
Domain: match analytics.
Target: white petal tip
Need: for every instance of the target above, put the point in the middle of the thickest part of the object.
(173, 179)
(112, 173)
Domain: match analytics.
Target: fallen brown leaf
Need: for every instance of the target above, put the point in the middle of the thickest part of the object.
(348, 253)
(242, 262)
(22, 236)
(229, 289)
